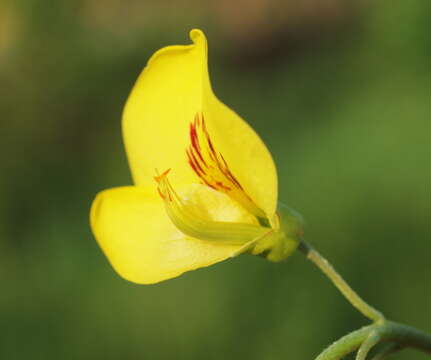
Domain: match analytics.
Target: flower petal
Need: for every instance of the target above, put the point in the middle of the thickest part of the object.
(170, 92)
(140, 241)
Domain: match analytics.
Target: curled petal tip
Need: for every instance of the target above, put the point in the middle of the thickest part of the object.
(197, 36)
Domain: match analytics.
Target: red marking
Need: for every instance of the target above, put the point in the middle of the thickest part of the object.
(208, 164)
(229, 174)
(209, 184)
(224, 187)
(195, 141)
(195, 160)
(195, 164)
(210, 144)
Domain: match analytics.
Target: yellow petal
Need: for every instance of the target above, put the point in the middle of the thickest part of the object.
(170, 92)
(140, 241)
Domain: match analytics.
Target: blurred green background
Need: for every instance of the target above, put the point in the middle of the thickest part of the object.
(339, 91)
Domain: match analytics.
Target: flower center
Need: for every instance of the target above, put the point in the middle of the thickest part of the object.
(213, 170)
(189, 216)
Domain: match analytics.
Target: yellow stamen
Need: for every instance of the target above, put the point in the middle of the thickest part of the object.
(187, 219)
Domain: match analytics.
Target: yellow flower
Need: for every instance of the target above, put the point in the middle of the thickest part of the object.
(216, 194)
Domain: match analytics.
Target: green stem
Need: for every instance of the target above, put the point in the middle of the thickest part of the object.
(368, 336)
(402, 335)
(346, 344)
(406, 336)
(387, 350)
(339, 282)
(372, 339)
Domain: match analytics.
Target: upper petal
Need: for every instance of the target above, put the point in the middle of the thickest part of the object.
(132, 228)
(171, 90)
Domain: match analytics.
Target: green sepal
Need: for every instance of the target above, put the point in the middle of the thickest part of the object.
(281, 243)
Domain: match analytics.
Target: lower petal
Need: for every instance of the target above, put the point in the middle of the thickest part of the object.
(132, 228)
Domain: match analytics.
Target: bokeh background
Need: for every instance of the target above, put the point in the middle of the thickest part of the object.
(339, 91)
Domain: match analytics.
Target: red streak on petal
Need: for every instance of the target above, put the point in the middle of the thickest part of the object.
(195, 165)
(195, 142)
(208, 164)
(208, 183)
(229, 174)
(221, 185)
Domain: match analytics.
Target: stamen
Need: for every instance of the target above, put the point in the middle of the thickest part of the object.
(187, 219)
